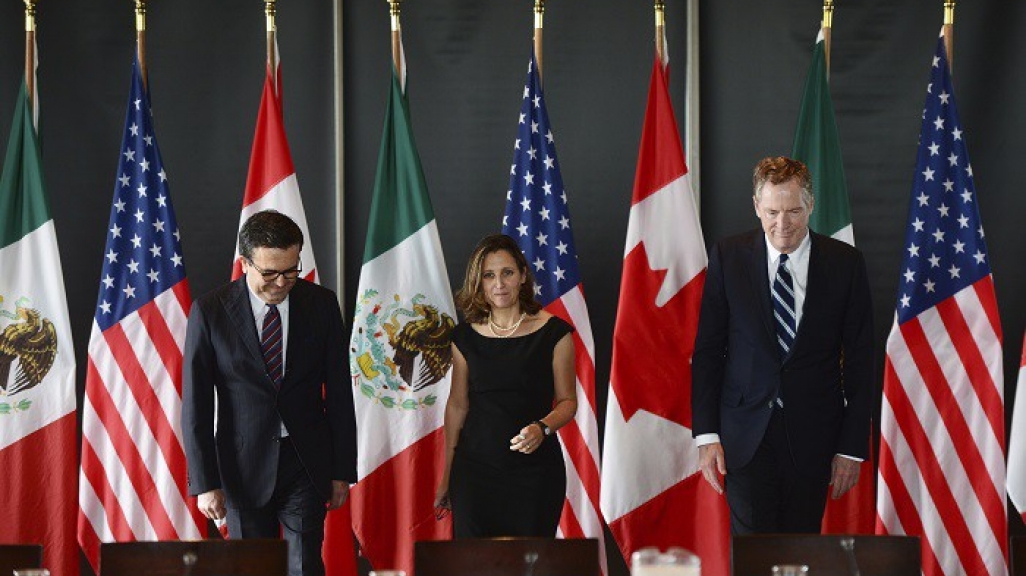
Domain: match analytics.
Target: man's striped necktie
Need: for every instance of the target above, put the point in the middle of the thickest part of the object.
(783, 307)
(270, 345)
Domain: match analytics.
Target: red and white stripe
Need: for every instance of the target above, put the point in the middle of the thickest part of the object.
(652, 493)
(1017, 442)
(271, 183)
(942, 466)
(133, 477)
(580, 440)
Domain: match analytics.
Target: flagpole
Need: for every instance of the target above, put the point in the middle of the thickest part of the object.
(30, 51)
(949, 32)
(140, 39)
(393, 11)
(692, 102)
(539, 17)
(827, 26)
(340, 164)
(660, 30)
(270, 10)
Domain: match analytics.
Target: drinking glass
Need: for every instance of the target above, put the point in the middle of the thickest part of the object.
(673, 562)
(790, 570)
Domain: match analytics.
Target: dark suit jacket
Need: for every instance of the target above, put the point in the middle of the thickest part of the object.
(222, 353)
(737, 370)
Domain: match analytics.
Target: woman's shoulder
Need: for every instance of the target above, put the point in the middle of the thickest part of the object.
(552, 325)
(461, 332)
(559, 326)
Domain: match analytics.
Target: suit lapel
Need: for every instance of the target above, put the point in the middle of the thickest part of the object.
(241, 313)
(760, 284)
(299, 327)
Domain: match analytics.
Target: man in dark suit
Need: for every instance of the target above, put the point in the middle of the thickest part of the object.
(272, 346)
(783, 362)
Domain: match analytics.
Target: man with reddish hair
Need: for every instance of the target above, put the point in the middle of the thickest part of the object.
(776, 410)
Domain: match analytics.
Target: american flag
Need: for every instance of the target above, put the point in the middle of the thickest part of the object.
(538, 217)
(942, 466)
(133, 483)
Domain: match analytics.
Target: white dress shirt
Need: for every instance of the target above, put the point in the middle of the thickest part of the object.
(798, 266)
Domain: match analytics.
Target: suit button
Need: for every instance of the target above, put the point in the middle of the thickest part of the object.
(769, 404)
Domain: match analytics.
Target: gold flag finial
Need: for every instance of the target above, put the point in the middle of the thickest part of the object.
(827, 28)
(539, 24)
(660, 27)
(270, 10)
(30, 15)
(140, 38)
(30, 55)
(394, 9)
(140, 15)
(828, 13)
(949, 31)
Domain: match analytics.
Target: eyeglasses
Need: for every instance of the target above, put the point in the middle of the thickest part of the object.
(272, 275)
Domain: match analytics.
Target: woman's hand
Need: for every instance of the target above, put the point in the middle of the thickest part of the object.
(528, 440)
(442, 498)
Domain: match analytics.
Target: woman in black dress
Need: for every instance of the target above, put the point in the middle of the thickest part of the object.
(513, 386)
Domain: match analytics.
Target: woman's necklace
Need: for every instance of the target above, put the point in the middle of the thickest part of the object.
(492, 326)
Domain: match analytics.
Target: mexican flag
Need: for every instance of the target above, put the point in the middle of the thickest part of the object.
(400, 355)
(817, 144)
(38, 454)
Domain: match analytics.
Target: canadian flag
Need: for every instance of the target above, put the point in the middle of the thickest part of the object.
(272, 184)
(652, 492)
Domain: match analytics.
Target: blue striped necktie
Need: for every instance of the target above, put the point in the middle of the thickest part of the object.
(270, 345)
(783, 307)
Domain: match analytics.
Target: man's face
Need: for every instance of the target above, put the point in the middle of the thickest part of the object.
(784, 217)
(267, 263)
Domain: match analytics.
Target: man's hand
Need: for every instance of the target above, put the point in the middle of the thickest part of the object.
(844, 474)
(339, 493)
(211, 504)
(712, 464)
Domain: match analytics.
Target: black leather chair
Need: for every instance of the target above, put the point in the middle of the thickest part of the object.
(507, 557)
(248, 557)
(826, 554)
(16, 556)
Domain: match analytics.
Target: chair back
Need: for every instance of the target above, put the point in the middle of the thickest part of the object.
(826, 554)
(16, 556)
(507, 557)
(247, 557)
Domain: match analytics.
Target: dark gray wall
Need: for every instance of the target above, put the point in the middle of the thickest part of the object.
(467, 61)
(206, 73)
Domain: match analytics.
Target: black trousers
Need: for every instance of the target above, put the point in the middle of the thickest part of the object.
(296, 512)
(769, 494)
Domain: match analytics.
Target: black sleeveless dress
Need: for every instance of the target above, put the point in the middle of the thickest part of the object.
(496, 491)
